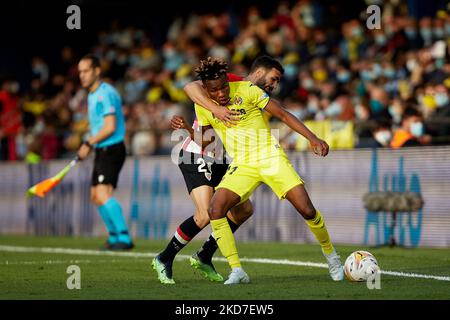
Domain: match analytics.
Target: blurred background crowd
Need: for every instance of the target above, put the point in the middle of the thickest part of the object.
(391, 83)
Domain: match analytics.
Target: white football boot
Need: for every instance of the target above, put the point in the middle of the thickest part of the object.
(335, 266)
(237, 276)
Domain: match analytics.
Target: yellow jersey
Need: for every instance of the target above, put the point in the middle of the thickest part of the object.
(251, 139)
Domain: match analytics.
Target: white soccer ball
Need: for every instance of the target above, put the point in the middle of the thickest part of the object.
(360, 265)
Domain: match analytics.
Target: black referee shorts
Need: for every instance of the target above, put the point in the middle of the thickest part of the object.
(200, 170)
(107, 164)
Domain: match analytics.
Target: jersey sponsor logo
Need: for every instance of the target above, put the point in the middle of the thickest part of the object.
(242, 113)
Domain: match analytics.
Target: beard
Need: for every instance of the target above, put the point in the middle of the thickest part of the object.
(262, 84)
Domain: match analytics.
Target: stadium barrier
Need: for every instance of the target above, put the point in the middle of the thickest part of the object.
(155, 200)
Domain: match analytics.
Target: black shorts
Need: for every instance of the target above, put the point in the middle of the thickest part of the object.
(107, 164)
(200, 170)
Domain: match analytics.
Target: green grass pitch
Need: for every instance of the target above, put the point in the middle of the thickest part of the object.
(42, 275)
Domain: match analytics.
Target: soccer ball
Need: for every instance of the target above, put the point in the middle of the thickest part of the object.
(360, 265)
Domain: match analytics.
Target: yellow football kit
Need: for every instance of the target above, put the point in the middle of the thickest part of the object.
(257, 155)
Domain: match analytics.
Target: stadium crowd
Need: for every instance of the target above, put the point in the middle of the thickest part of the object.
(393, 83)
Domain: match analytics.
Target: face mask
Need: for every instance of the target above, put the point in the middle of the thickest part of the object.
(383, 137)
(334, 109)
(39, 127)
(14, 87)
(169, 53)
(377, 70)
(426, 33)
(417, 129)
(290, 71)
(181, 83)
(134, 59)
(411, 65)
(439, 33)
(441, 99)
(307, 83)
(380, 40)
(78, 116)
(410, 33)
(389, 31)
(298, 113)
(343, 77)
(376, 106)
(111, 55)
(439, 63)
(367, 75)
(312, 107)
(389, 73)
(395, 114)
(357, 32)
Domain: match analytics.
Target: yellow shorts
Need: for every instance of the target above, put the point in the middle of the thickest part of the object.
(277, 172)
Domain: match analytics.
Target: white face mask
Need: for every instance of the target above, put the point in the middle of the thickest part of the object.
(308, 83)
(383, 137)
(417, 129)
(411, 65)
(441, 99)
(333, 110)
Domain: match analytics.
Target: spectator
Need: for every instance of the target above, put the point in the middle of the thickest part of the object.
(412, 131)
(10, 119)
(335, 69)
(381, 136)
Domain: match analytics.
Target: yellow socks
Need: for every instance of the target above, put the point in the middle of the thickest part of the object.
(317, 226)
(225, 240)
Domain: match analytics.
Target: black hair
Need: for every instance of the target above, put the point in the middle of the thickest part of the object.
(211, 69)
(383, 123)
(95, 61)
(266, 62)
(409, 112)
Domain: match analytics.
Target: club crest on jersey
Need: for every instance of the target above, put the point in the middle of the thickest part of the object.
(237, 101)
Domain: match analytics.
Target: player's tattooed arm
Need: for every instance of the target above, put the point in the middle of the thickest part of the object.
(319, 146)
(198, 95)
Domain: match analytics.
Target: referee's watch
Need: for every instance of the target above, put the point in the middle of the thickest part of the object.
(88, 144)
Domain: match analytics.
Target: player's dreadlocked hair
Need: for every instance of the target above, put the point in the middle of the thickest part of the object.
(211, 69)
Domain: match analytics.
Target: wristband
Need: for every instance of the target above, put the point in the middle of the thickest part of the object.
(88, 144)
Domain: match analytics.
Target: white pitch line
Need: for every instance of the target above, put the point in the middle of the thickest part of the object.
(151, 255)
(40, 262)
